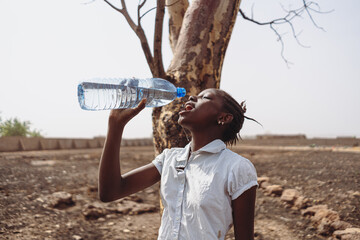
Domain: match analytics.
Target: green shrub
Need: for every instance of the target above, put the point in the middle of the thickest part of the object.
(15, 127)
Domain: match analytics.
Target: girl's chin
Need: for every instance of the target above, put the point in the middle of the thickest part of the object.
(182, 121)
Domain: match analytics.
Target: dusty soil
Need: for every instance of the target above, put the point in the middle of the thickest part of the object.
(327, 174)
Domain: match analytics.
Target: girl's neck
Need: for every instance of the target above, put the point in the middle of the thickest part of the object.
(198, 142)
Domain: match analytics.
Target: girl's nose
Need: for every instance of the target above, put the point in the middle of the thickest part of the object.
(192, 98)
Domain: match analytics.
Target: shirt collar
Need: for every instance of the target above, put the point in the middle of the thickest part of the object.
(213, 147)
(184, 153)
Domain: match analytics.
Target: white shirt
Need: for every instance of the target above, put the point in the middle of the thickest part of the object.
(197, 193)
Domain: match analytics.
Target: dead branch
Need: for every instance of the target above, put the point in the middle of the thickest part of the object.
(139, 31)
(139, 10)
(307, 7)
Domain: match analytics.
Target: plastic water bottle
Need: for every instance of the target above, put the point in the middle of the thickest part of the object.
(113, 93)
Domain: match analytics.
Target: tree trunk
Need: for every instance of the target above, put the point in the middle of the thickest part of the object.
(199, 47)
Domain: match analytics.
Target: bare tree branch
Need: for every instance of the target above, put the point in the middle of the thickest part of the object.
(287, 19)
(124, 12)
(90, 1)
(139, 31)
(138, 11)
(111, 5)
(151, 9)
(307, 8)
(282, 45)
(142, 4)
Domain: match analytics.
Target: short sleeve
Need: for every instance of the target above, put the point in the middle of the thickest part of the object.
(159, 161)
(242, 177)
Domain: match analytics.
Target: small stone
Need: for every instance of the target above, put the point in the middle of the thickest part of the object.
(264, 185)
(324, 228)
(262, 180)
(310, 211)
(126, 230)
(274, 190)
(331, 215)
(289, 196)
(94, 212)
(150, 191)
(60, 200)
(340, 225)
(142, 208)
(77, 237)
(349, 232)
(350, 237)
(39, 199)
(300, 203)
(322, 219)
(39, 163)
(134, 198)
(69, 225)
(86, 156)
(355, 194)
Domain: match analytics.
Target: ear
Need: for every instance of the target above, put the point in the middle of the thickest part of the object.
(225, 118)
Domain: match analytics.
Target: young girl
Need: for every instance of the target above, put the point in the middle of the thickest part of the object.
(205, 188)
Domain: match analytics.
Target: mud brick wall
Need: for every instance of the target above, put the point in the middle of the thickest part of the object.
(11, 144)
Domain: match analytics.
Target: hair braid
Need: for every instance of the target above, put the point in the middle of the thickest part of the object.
(232, 132)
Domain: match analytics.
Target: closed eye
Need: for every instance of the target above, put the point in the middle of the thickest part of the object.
(204, 96)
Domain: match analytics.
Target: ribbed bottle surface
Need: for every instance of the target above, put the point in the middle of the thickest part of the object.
(104, 94)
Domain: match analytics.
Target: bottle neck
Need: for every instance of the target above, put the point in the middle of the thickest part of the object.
(180, 92)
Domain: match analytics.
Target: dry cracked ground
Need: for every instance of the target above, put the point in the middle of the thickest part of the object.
(53, 194)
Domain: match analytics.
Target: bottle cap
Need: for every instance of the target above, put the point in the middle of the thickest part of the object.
(181, 92)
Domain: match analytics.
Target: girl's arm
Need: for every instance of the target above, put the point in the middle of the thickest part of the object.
(113, 185)
(243, 215)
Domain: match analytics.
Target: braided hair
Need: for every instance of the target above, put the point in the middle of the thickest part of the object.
(232, 133)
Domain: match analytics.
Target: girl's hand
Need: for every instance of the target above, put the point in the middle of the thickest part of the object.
(122, 116)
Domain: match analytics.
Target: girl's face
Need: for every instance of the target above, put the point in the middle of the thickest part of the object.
(201, 111)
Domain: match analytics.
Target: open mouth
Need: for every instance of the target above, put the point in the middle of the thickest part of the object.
(188, 107)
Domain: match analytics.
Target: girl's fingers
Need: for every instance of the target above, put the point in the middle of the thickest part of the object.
(139, 107)
(124, 115)
(141, 104)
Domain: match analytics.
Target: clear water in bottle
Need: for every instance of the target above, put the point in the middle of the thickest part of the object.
(103, 94)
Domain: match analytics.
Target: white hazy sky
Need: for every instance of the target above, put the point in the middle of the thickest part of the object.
(48, 46)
